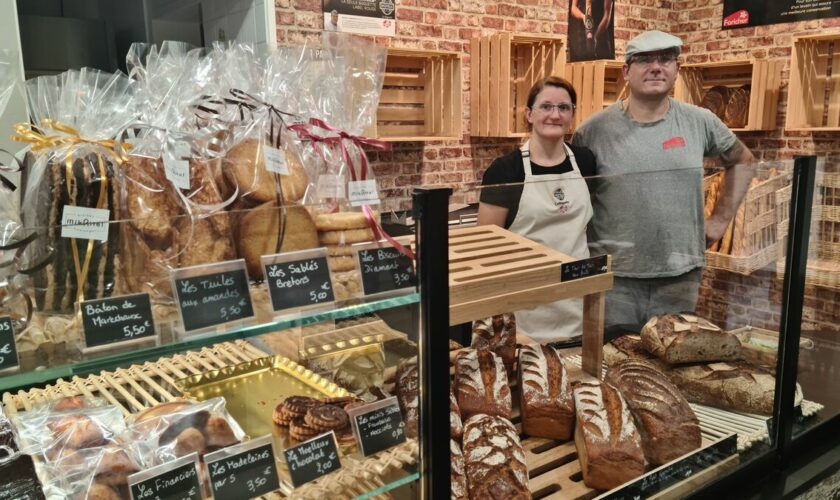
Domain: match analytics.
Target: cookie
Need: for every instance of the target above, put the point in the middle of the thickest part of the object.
(300, 431)
(345, 237)
(259, 232)
(339, 250)
(245, 168)
(326, 418)
(299, 405)
(342, 263)
(280, 417)
(342, 221)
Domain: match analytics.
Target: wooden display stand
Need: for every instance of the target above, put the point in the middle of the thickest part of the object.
(421, 97)
(763, 77)
(503, 67)
(598, 85)
(810, 84)
(493, 271)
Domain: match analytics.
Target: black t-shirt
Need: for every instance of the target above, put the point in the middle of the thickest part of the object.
(508, 169)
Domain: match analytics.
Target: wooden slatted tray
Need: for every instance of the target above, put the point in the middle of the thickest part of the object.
(493, 271)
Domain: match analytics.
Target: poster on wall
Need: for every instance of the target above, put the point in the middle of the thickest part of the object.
(746, 13)
(365, 17)
(591, 30)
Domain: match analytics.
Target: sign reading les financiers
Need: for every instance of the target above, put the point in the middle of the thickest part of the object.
(175, 480)
(213, 294)
(746, 13)
(117, 319)
(385, 269)
(243, 471)
(298, 279)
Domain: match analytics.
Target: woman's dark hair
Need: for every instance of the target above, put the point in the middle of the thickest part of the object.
(551, 81)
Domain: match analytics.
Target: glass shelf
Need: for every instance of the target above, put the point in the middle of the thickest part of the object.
(22, 381)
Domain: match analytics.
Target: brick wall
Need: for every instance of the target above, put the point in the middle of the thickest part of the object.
(729, 299)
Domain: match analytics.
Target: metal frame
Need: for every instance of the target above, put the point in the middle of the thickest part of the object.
(432, 228)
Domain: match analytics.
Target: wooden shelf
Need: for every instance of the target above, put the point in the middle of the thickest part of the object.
(813, 102)
(598, 85)
(503, 67)
(762, 77)
(421, 97)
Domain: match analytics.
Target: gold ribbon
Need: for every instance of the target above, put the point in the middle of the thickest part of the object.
(68, 137)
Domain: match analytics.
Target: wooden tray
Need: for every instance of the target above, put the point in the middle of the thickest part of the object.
(494, 271)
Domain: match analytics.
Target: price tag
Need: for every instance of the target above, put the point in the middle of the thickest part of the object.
(583, 268)
(117, 319)
(84, 223)
(213, 294)
(362, 193)
(275, 160)
(298, 279)
(313, 459)
(378, 426)
(176, 165)
(243, 471)
(175, 480)
(8, 347)
(384, 270)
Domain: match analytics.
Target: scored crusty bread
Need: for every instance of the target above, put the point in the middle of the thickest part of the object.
(481, 384)
(498, 334)
(457, 477)
(667, 424)
(609, 446)
(494, 460)
(686, 338)
(546, 402)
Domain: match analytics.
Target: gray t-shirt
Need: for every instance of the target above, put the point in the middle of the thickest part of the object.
(648, 206)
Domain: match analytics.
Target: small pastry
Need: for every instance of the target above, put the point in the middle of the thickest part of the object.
(189, 441)
(326, 418)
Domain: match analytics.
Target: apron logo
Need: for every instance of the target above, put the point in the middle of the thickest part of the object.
(560, 201)
(559, 196)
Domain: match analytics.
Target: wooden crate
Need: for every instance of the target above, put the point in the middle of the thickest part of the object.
(813, 102)
(598, 85)
(421, 97)
(760, 230)
(763, 77)
(823, 267)
(503, 67)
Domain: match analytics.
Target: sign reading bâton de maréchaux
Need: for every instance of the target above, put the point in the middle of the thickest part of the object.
(117, 319)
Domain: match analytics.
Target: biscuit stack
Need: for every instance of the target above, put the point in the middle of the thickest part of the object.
(308, 417)
(338, 232)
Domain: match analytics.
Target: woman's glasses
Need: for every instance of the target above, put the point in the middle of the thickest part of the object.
(547, 108)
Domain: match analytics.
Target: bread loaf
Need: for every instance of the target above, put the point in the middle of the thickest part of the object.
(609, 446)
(457, 477)
(547, 405)
(667, 424)
(408, 383)
(686, 338)
(498, 334)
(456, 425)
(629, 347)
(481, 384)
(494, 461)
(731, 386)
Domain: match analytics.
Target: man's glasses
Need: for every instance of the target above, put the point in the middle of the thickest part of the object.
(547, 108)
(648, 59)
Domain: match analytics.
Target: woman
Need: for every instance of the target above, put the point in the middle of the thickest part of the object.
(552, 207)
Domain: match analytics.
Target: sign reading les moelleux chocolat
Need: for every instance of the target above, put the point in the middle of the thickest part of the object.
(245, 471)
(213, 298)
(313, 459)
(117, 319)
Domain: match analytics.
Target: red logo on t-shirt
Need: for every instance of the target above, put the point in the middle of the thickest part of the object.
(673, 143)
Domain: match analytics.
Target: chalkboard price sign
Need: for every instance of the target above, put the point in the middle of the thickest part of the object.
(117, 319)
(213, 295)
(8, 348)
(298, 279)
(583, 268)
(378, 426)
(244, 471)
(313, 459)
(175, 480)
(385, 270)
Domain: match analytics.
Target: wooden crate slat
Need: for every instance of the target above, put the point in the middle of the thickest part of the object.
(402, 130)
(475, 89)
(402, 80)
(402, 96)
(404, 62)
(496, 81)
(401, 114)
(505, 102)
(430, 97)
(834, 96)
(487, 127)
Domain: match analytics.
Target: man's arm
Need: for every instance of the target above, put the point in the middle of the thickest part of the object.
(739, 163)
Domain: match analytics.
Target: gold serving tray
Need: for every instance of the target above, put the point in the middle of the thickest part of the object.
(253, 389)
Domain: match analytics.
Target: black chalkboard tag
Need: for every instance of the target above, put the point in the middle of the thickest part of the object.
(298, 280)
(583, 268)
(117, 319)
(212, 295)
(667, 475)
(378, 426)
(8, 347)
(243, 471)
(175, 480)
(384, 269)
(312, 459)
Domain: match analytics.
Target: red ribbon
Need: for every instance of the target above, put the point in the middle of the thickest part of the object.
(357, 141)
(379, 234)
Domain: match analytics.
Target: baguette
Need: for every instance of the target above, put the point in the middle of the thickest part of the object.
(726, 242)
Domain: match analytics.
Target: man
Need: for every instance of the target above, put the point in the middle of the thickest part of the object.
(648, 204)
